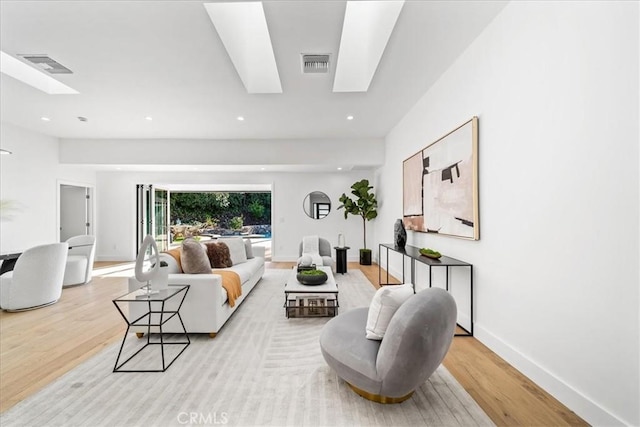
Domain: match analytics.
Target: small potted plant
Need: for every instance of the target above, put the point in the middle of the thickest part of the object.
(312, 277)
(365, 205)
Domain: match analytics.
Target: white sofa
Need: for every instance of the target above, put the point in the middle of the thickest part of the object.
(205, 308)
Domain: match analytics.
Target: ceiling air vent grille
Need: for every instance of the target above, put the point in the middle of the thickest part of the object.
(49, 65)
(315, 63)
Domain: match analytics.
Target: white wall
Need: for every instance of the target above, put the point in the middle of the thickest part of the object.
(116, 207)
(29, 179)
(555, 86)
(313, 152)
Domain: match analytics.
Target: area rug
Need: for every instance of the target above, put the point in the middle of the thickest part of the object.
(261, 369)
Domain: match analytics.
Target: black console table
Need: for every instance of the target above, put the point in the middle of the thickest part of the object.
(414, 254)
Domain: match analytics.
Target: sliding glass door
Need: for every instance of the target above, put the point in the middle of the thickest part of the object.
(152, 209)
(161, 218)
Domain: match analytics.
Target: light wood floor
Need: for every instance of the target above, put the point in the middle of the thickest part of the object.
(38, 346)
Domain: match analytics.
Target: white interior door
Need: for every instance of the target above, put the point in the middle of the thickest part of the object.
(75, 211)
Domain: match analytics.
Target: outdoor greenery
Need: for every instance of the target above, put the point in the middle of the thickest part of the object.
(226, 210)
(236, 223)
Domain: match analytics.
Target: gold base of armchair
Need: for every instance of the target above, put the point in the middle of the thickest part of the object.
(378, 398)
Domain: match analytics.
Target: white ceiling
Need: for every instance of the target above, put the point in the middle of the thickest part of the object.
(164, 59)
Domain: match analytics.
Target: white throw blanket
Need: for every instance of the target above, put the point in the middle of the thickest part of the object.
(311, 247)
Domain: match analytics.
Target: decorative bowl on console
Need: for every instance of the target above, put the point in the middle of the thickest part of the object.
(312, 277)
(430, 253)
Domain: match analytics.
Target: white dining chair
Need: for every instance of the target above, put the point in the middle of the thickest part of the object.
(79, 267)
(36, 279)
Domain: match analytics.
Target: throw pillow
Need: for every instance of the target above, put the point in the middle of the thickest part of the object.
(383, 306)
(194, 258)
(175, 253)
(236, 249)
(219, 256)
(248, 248)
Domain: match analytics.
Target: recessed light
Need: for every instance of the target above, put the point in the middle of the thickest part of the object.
(45, 119)
(240, 118)
(149, 118)
(4, 152)
(339, 169)
(349, 117)
(118, 169)
(263, 169)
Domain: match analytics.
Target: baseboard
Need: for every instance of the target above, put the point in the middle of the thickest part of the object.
(397, 274)
(586, 408)
(589, 410)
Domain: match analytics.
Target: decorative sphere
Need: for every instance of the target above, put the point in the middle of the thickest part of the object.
(306, 260)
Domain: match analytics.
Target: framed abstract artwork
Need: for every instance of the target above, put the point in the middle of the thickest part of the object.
(440, 185)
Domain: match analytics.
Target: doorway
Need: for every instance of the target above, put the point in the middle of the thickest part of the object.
(152, 207)
(75, 210)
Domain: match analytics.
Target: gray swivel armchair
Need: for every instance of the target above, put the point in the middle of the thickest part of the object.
(415, 343)
(325, 252)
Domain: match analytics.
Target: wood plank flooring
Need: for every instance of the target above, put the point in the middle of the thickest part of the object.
(38, 346)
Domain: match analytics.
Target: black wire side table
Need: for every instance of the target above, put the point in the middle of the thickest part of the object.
(152, 310)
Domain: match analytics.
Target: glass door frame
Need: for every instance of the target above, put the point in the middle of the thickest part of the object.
(149, 220)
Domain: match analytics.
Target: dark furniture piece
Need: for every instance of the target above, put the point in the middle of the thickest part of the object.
(413, 253)
(155, 314)
(341, 259)
(8, 262)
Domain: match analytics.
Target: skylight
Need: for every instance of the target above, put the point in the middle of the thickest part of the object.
(366, 30)
(33, 77)
(242, 27)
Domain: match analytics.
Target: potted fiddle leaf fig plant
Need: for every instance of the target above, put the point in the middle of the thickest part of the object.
(365, 206)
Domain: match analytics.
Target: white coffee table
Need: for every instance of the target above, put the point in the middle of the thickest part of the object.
(311, 300)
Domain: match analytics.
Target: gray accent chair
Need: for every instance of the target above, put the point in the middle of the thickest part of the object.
(324, 247)
(388, 371)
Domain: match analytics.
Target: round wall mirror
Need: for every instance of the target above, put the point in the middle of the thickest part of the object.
(317, 205)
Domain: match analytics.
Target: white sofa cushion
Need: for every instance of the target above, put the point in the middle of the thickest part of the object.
(236, 249)
(248, 248)
(383, 306)
(245, 270)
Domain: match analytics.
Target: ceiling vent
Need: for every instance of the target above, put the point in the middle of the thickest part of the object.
(315, 63)
(47, 64)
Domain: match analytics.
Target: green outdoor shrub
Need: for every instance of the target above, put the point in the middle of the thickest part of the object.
(236, 223)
